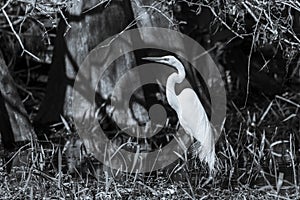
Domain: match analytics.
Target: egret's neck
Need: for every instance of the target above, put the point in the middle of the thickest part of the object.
(181, 74)
(171, 94)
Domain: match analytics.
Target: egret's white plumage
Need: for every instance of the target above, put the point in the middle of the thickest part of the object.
(190, 111)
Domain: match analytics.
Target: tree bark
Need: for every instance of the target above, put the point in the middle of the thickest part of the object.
(15, 125)
(87, 30)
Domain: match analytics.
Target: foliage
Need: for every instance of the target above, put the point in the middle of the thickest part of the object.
(268, 22)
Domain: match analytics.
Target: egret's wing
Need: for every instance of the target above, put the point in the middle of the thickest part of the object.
(194, 120)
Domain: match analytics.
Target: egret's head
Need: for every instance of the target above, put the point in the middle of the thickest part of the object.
(168, 60)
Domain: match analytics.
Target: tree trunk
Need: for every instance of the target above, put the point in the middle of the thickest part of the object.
(14, 122)
(87, 30)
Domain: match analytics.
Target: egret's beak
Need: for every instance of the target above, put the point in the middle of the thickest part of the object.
(154, 59)
(157, 59)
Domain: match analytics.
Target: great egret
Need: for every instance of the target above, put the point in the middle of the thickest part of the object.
(190, 111)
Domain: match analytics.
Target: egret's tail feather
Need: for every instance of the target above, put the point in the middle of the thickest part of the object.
(205, 151)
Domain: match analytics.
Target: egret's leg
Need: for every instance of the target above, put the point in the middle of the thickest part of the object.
(210, 178)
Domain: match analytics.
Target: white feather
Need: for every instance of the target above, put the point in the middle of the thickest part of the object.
(190, 112)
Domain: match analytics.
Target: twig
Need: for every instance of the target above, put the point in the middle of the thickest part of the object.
(18, 37)
(265, 113)
(224, 23)
(288, 101)
(65, 20)
(249, 61)
(95, 6)
(160, 12)
(12, 28)
(6, 4)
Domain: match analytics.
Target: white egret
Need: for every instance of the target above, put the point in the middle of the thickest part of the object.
(191, 114)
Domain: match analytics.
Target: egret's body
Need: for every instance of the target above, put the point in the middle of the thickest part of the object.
(190, 112)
